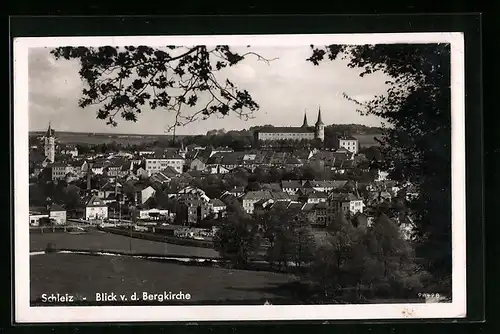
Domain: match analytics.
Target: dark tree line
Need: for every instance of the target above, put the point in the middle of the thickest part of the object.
(350, 261)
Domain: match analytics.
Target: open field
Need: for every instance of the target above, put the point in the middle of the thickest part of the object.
(84, 275)
(97, 240)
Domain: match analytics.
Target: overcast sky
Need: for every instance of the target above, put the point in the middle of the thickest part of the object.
(283, 89)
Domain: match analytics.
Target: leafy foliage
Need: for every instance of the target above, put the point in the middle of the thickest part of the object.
(126, 81)
(416, 143)
(288, 237)
(237, 239)
(374, 260)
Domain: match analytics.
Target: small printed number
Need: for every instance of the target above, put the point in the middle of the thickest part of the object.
(428, 295)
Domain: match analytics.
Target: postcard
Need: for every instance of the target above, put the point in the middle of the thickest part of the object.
(239, 177)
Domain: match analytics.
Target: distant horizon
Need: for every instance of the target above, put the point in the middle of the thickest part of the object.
(183, 134)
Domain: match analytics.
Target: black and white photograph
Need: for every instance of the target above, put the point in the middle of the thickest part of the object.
(223, 178)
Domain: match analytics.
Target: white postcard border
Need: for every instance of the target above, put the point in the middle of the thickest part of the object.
(24, 313)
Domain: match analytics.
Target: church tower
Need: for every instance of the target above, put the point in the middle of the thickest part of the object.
(182, 151)
(50, 144)
(319, 129)
(304, 124)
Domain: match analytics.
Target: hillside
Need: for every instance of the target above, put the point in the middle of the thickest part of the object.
(365, 135)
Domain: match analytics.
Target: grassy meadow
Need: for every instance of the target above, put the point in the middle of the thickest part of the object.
(84, 275)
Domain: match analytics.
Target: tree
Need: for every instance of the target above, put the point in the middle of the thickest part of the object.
(372, 153)
(333, 267)
(72, 199)
(304, 243)
(288, 237)
(253, 186)
(356, 260)
(396, 267)
(233, 205)
(123, 81)
(416, 143)
(275, 174)
(237, 239)
(237, 179)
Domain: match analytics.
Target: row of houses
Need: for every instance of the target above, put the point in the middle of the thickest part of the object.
(222, 162)
(207, 160)
(319, 200)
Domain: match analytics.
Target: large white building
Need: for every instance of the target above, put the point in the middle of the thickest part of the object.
(160, 161)
(349, 143)
(59, 170)
(294, 133)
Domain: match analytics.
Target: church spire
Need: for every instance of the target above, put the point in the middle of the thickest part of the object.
(304, 124)
(49, 130)
(319, 121)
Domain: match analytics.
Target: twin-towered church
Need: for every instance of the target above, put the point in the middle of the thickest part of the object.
(294, 133)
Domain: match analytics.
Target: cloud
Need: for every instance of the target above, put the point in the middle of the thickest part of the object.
(284, 88)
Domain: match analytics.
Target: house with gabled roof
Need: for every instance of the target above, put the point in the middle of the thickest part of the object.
(141, 173)
(279, 205)
(142, 192)
(279, 196)
(252, 197)
(217, 206)
(316, 197)
(232, 160)
(160, 178)
(57, 214)
(198, 163)
(96, 209)
(218, 169)
(295, 206)
(125, 169)
(98, 166)
(189, 190)
(291, 186)
(113, 167)
(262, 204)
(110, 188)
(165, 175)
(346, 203)
(130, 177)
(236, 192)
(191, 154)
